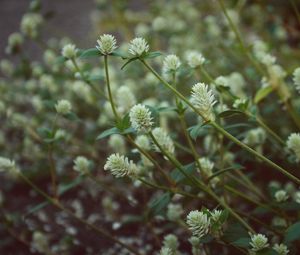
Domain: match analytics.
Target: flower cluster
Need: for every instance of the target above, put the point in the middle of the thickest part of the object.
(106, 44)
(138, 46)
(140, 118)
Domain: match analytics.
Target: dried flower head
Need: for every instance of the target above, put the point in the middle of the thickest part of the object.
(293, 143)
(69, 51)
(258, 242)
(106, 44)
(203, 99)
(140, 118)
(199, 223)
(120, 166)
(138, 46)
(63, 106)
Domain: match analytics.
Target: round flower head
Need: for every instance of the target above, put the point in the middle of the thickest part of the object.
(171, 241)
(81, 164)
(120, 166)
(293, 143)
(140, 118)
(281, 249)
(281, 196)
(258, 242)
(6, 164)
(166, 251)
(63, 106)
(69, 51)
(174, 212)
(296, 78)
(143, 142)
(215, 215)
(171, 64)
(125, 98)
(106, 44)
(297, 197)
(194, 59)
(203, 99)
(138, 46)
(164, 140)
(198, 223)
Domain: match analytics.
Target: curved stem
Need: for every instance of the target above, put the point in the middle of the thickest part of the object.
(221, 130)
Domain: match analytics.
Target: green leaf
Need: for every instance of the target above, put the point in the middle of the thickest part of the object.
(118, 53)
(129, 61)
(262, 93)
(63, 188)
(45, 133)
(97, 77)
(234, 232)
(177, 176)
(60, 60)
(242, 242)
(159, 204)
(90, 53)
(152, 54)
(292, 233)
(229, 113)
(71, 116)
(108, 132)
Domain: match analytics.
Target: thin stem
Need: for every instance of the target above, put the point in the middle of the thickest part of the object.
(109, 89)
(221, 130)
(295, 9)
(58, 205)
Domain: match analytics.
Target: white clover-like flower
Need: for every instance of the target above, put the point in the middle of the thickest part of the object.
(140, 118)
(81, 164)
(281, 249)
(117, 143)
(106, 44)
(125, 99)
(15, 40)
(268, 59)
(164, 140)
(143, 142)
(207, 170)
(195, 59)
(222, 81)
(120, 166)
(203, 99)
(138, 46)
(166, 251)
(281, 196)
(199, 223)
(63, 106)
(255, 137)
(69, 51)
(174, 212)
(40, 242)
(30, 23)
(258, 242)
(171, 64)
(7, 165)
(216, 214)
(293, 143)
(171, 241)
(296, 78)
(297, 197)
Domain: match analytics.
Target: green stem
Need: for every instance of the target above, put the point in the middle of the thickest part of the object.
(221, 130)
(295, 9)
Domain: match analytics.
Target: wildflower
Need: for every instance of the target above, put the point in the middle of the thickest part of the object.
(125, 98)
(138, 46)
(143, 142)
(296, 78)
(222, 81)
(194, 59)
(196, 245)
(204, 100)
(281, 196)
(198, 223)
(297, 197)
(281, 249)
(69, 51)
(106, 44)
(7, 165)
(63, 106)
(166, 251)
(164, 140)
(171, 64)
(171, 242)
(174, 212)
(117, 143)
(81, 164)
(30, 23)
(6, 67)
(255, 137)
(120, 166)
(15, 40)
(140, 118)
(293, 143)
(207, 170)
(258, 242)
(40, 242)
(215, 215)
